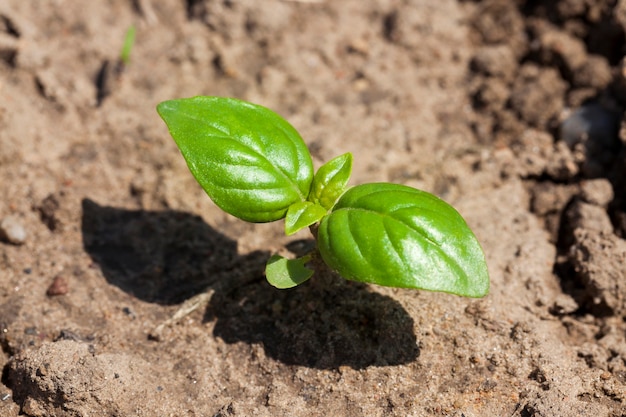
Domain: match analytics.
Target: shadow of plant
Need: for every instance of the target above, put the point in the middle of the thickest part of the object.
(341, 324)
(168, 256)
(163, 257)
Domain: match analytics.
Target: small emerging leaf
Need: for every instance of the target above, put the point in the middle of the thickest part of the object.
(330, 181)
(129, 41)
(286, 273)
(301, 215)
(398, 236)
(250, 161)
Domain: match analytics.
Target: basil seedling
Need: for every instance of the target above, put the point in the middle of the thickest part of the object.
(255, 166)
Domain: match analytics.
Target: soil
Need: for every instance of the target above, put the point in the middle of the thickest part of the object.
(511, 110)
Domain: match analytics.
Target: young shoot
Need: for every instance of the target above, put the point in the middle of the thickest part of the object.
(254, 165)
(129, 41)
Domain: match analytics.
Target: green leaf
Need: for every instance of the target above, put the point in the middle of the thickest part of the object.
(303, 214)
(330, 181)
(285, 273)
(129, 41)
(250, 161)
(398, 236)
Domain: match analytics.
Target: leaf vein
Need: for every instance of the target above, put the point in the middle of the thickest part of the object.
(256, 153)
(439, 247)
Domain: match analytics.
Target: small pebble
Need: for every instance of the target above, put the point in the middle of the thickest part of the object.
(12, 230)
(359, 46)
(591, 122)
(59, 286)
(129, 312)
(598, 192)
(31, 331)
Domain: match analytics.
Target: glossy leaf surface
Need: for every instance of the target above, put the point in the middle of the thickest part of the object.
(394, 235)
(285, 273)
(301, 215)
(330, 181)
(250, 161)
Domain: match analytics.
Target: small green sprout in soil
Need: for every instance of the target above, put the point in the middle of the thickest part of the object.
(127, 47)
(110, 73)
(254, 165)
